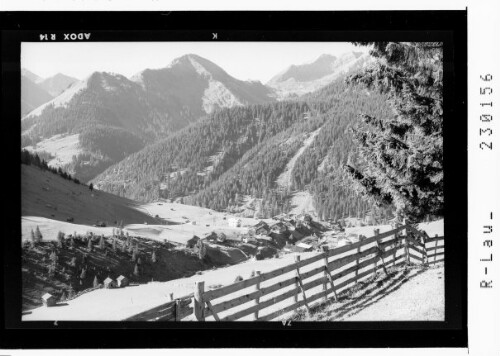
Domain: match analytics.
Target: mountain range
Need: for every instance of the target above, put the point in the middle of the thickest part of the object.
(32, 94)
(305, 78)
(191, 131)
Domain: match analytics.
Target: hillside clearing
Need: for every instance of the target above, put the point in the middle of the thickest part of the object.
(302, 202)
(61, 147)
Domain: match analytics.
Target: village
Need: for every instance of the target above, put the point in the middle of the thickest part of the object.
(142, 259)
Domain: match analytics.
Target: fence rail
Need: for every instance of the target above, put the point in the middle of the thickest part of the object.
(336, 270)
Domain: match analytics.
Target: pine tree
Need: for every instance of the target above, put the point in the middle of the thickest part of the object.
(38, 235)
(153, 256)
(89, 245)
(134, 256)
(83, 274)
(53, 257)
(101, 242)
(136, 270)
(96, 282)
(71, 291)
(402, 155)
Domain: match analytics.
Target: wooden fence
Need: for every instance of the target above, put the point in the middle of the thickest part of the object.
(175, 310)
(269, 295)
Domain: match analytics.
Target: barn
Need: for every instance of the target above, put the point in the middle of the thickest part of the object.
(122, 281)
(109, 283)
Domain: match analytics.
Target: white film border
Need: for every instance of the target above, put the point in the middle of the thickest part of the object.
(484, 177)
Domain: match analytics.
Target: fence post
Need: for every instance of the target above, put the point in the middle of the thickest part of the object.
(199, 304)
(407, 250)
(297, 285)
(177, 310)
(376, 232)
(325, 252)
(358, 251)
(300, 285)
(328, 276)
(424, 238)
(435, 247)
(396, 247)
(257, 300)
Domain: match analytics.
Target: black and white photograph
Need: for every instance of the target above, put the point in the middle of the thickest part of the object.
(237, 181)
(243, 179)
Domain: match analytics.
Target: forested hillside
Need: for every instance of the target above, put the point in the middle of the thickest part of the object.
(193, 158)
(114, 116)
(241, 151)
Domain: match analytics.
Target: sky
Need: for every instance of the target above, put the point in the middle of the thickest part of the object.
(243, 60)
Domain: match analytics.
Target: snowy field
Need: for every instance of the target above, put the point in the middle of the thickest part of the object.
(61, 100)
(184, 221)
(302, 202)
(49, 228)
(118, 304)
(62, 147)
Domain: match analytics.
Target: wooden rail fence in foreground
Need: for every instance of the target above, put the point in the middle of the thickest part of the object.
(336, 270)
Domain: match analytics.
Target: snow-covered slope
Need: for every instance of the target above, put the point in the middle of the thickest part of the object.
(61, 147)
(61, 100)
(118, 304)
(285, 179)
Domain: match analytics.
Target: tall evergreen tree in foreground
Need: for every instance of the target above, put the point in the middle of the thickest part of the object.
(402, 157)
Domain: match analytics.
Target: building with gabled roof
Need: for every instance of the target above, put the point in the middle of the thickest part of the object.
(122, 281)
(109, 283)
(261, 228)
(278, 228)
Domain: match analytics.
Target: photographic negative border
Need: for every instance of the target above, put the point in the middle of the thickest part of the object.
(446, 26)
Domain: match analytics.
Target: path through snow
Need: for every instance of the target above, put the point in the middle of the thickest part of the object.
(285, 179)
